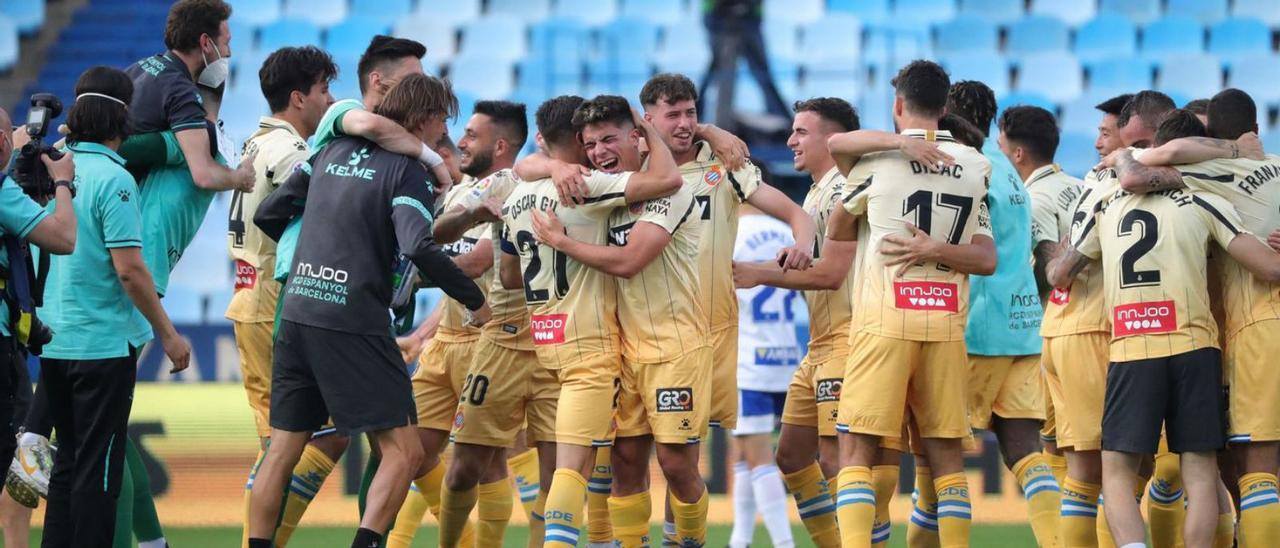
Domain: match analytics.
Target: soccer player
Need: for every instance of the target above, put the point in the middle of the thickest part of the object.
(1108, 133)
(812, 401)
(1251, 318)
(573, 308)
(334, 355)
(665, 390)
(1165, 363)
(295, 82)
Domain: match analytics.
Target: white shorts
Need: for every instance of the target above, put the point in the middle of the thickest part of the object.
(758, 412)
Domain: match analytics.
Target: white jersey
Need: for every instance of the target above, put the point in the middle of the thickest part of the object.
(768, 352)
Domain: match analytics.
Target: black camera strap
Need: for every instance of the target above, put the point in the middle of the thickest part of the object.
(18, 285)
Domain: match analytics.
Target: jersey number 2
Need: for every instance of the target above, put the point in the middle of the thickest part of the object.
(532, 295)
(1129, 275)
(758, 313)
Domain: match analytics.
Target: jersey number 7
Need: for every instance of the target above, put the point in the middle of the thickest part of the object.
(559, 267)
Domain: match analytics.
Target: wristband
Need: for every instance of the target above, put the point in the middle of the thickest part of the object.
(430, 157)
(71, 186)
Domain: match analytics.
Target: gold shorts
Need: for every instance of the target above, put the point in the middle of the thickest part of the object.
(254, 341)
(1254, 386)
(505, 390)
(724, 378)
(885, 375)
(1077, 365)
(589, 391)
(1006, 386)
(813, 398)
(669, 400)
(437, 383)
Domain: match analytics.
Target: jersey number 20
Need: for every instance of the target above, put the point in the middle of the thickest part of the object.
(533, 295)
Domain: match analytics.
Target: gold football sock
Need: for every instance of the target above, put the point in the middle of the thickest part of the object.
(814, 502)
(955, 513)
(885, 479)
(631, 519)
(1079, 514)
(855, 505)
(1044, 498)
(564, 508)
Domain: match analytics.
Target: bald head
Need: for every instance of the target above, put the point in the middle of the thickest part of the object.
(6, 146)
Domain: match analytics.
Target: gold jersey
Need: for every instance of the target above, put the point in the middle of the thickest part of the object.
(829, 311)
(1154, 249)
(453, 319)
(573, 309)
(930, 301)
(509, 324)
(1078, 308)
(717, 193)
(277, 148)
(658, 308)
(1253, 187)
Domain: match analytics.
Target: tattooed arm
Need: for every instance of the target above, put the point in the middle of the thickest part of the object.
(1190, 150)
(1138, 178)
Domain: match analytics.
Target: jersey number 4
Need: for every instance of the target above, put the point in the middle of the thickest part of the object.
(235, 219)
(534, 295)
(1130, 276)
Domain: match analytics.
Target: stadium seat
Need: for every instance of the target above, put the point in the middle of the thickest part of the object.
(347, 85)
(288, 32)
(439, 37)
(529, 11)
(1080, 115)
(1020, 98)
(1172, 35)
(1193, 76)
(1266, 10)
(542, 77)
(781, 38)
(1037, 34)
(845, 86)
(662, 12)
(684, 50)
(887, 51)
(496, 35)
(466, 102)
(1239, 36)
(591, 12)
(1140, 11)
(836, 38)
(875, 109)
(871, 12)
(8, 43)
(694, 66)
(321, 12)
(1256, 75)
(989, 68)
(253, 12)
(1000, 12)
(612, 70)
(1106, 36)
(798, 11)
(353, 34)
(387, 11)
(630, 32)
(1076, 154)
(1055, 75)
(1120, 75)
(1206, 11)
(921, 14)
(244, 36)
(1271, 140)
(448, 12)
(967, 34)
(484, 77)
(1072, 12)
(559, 37)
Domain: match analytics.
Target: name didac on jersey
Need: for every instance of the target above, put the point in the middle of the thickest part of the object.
(461, 247)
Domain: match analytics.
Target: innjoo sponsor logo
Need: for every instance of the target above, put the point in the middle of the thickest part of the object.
(1060, 296)
(246, 275)
(926, 296)
(548, 328)
(1144, 318)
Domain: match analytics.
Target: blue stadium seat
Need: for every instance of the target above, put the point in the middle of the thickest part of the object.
(921, 13)
(347, 85)
(353, 35)
(1120, 75)
(685, 35)
(989, 68)
(254, 12)
(448, 12)
(1239, 36)
(1076, 154)
(617, 69)
(662, 12)
(1037, 34)
(1266, 10)
(1271, 140)
(388, 11)
(888, 50)
(1140, 11)
(871, 12)
(1256, 75)
(591, 12)
(485, 77)
(244, 36)
(542, 77)
(185, 306)
(799, 11)
(1055, 75)
(694, 66)
(1205, 11)
(684, 49)
(1173, 35)
(836, 38)
(8, 43)
(967, 34)
(844, 86)
(1106, 36)
(440, 37)
(630, 32)
(559, 36)
(1021, 98)
(466, 102)
(1080, 115)
(875, 109)
(288, 32)
(781, 38)
(494, 35)
(321, 12)
(1072, 12)
(1195, 76)
(1001, 12)
(528, 10)
(27, 15)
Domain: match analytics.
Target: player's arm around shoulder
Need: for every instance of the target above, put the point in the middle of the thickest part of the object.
(1228, 230)
(839, 246)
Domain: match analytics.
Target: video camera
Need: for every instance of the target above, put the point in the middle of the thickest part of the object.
(28, 170)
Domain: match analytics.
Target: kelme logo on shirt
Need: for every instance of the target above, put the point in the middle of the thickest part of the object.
(828, 390)
(1144, 318)
(352, 168)
(1060, 297)
(926, 296)
(548, 328)
(675, 400)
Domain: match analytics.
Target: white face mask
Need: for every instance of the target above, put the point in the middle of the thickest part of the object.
(215, 73)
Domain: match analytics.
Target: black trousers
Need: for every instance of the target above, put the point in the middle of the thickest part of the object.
(10, 360)
(90, 402)
(35, 417)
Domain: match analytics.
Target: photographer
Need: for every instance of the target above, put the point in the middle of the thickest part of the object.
(95, 302)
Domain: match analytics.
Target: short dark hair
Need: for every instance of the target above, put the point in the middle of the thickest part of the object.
(973, 101)
(1198, 106)
(446, 142)
(188, 19)
(95, 119)
(1179, 123)
(383, 49)
(962, 130)
(1232, 113)
(1148, 105)
(668, 87)
(508, 117)
(1032, 128)
(288, 70)
(555, 119)
(832, 109)
(1114, 105)
(415, 98)
(923, 85)
(613, 109)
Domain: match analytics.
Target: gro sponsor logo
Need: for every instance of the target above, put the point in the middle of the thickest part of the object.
(926, 296)
(548, 328)
(675, 400)
(1144, 318)
(828, 390)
